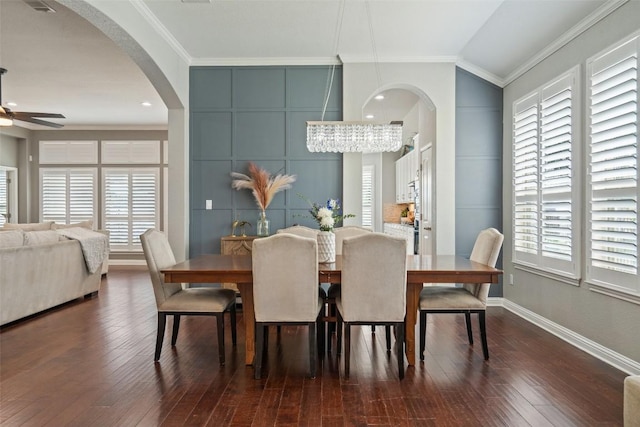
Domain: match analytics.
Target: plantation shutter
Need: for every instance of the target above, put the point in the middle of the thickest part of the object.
(556, 204)
(613, 167)
(4, 205)
(68, 195)
(367, 196)
(525, 179)
(131, 201)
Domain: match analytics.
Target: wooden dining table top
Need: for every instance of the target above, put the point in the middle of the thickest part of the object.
(420, 269)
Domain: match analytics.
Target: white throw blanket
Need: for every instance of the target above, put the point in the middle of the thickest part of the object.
(95, 246)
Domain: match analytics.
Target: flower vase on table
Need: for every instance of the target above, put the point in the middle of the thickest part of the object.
(263, 225)
(326, 247)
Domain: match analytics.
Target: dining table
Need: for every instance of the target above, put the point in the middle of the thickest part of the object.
(421, 270)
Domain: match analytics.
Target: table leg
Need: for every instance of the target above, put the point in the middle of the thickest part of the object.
(413, 298)
(248, 315)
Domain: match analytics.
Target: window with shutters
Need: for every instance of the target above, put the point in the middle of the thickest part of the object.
(367, 195)
(68, 195)
(612, 178)
(545, 164)
(131, 200)
(4, 196)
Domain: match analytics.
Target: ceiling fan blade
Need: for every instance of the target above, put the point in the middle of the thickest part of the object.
(23, 114)
(38, 122)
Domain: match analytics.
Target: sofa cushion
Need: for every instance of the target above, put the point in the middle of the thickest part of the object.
(11, 238)
(34, 226)
(84, 224)
(32, 238)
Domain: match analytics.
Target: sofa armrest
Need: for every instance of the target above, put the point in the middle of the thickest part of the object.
(105, 264)
(632, 401)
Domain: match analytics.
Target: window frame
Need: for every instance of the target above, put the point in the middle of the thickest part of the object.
(67, 172)
(609, 282)
(535, 261)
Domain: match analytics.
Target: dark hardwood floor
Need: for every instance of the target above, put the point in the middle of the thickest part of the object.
(90, 363)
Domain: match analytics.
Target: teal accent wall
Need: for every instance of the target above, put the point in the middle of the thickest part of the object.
(258, 114)
(478, 161)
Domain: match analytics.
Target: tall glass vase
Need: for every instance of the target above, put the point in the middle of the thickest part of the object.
(263, 225)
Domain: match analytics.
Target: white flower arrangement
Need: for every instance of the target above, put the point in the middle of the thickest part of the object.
(328, 215)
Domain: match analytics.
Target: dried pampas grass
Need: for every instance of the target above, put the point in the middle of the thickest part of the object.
(262, 184)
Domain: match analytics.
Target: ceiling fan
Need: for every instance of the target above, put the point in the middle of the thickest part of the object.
(7, 116)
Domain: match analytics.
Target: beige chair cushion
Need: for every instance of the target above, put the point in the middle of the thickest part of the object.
(374, 278)
(285, 278)
(471, 295)
(300, 230)
(34, 226)
(171, 297)
(632, 401)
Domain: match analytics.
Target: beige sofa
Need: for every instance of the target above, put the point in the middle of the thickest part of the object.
(41, 269)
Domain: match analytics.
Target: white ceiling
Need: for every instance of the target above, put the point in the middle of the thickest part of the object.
(60, 63)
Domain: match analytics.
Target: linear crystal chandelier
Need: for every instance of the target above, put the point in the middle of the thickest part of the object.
(363, 137)
(343, 137)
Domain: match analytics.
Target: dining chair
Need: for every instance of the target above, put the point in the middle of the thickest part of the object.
(172, 299)
(373, 289)
(285, 290)
(333, 290)
(299, 230)
(467, 299)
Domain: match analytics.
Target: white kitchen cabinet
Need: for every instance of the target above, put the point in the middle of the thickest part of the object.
(400, 230)
(406, 172)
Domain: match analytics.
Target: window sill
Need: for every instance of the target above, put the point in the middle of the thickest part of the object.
(574, 281)
(615, 292)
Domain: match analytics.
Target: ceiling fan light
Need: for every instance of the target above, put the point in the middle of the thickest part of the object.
(6, 121)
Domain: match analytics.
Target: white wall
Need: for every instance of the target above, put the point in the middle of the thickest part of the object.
(607, 321)
(433, 80)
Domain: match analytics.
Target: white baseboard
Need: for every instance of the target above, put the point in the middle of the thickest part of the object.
(599, 351)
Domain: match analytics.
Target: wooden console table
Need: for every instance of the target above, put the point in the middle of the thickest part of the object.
(235, 245)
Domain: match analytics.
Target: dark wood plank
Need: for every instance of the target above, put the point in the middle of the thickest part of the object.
(90, 362)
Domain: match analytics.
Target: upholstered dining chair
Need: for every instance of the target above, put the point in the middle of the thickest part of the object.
(333, 290)
(172, 299)
(299, 230)
(470, 298)
(285, 290)
(373, 289)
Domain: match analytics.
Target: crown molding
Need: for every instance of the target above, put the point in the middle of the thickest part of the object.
(149, 16)
(264, 61)
(480, 72)
(563, 40)
(355, 59)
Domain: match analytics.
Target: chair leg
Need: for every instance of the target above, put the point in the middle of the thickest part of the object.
(220, 325)
(313, 349)
(257, 361)
(483, 334)
(373, 329)
(339, 327)
(467, 318)
(400, 347)
(423, 332)
(387, 334)
(162, 320)
(347, 348)
(321, 335)
(233, 315)
(176, 327)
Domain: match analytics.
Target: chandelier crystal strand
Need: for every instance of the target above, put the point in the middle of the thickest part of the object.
(344, 137)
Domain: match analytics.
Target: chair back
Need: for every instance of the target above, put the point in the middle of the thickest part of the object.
(299, 230)
(374, 278)
(285, 278)
(159, 255)
(485, 251)
(342, 233)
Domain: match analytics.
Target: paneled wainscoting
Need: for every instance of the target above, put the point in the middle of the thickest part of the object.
(90, 363)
